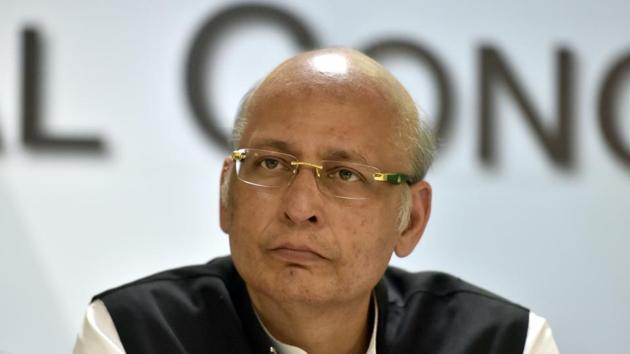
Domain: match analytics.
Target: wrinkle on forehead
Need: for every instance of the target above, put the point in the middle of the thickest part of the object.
(332, 153)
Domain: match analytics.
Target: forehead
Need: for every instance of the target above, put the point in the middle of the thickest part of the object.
(324, 124)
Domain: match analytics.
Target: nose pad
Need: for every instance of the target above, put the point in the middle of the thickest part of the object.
(316, 171)
(297, 164)
(296, 172)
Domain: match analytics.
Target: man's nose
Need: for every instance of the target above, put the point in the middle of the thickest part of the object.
(302, 199)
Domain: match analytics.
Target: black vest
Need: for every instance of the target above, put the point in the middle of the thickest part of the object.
(206, 309)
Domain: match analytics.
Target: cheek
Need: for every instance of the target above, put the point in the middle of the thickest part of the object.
(368, 239)
(251, 213)
(251, 205)
(246, 238)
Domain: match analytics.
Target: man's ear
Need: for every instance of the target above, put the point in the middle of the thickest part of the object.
(225, 216)
(418, 218)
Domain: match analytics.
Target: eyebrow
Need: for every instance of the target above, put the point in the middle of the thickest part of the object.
(338, 154)
(345, 155)
(279, 145)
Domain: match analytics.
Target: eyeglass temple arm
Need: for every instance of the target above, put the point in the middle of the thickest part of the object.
(393, 178)
(238, 155)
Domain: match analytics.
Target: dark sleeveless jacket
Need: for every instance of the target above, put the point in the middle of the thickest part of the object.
(206, 309)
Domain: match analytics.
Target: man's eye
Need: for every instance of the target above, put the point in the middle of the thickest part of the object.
(270, 163)
(345, 175)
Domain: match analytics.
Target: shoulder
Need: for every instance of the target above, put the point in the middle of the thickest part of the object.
(217, 272)
(175, 291)
(404, 287)
(441, 313)
(180, 310)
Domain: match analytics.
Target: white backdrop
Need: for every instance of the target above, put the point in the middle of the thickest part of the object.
(72, 225)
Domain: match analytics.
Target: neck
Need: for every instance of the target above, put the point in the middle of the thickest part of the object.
(343, 328)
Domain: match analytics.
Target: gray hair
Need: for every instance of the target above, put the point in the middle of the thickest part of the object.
(240, 121)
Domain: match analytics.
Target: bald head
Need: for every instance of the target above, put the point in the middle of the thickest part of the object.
(341, 72)
(345, 75)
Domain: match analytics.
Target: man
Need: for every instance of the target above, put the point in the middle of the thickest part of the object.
(324, 185)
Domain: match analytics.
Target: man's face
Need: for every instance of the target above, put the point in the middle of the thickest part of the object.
(296, 243)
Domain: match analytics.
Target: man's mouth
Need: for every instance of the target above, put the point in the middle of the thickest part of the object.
(296, 254)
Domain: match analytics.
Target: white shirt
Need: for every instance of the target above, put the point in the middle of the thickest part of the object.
(283, 348)
(98, 335)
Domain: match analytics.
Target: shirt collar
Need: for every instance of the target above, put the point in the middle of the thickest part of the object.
(283, 348)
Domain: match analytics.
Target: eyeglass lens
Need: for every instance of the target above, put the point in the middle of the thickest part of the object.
(337, 178)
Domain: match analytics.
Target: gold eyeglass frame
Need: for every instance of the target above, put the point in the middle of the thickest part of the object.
(389, 177)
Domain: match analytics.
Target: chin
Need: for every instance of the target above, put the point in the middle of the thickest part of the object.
(301, 295)
(297, 285)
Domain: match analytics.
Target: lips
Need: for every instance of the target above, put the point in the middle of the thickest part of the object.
(293, 253)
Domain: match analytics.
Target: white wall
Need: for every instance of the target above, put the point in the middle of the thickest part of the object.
(72, 225)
